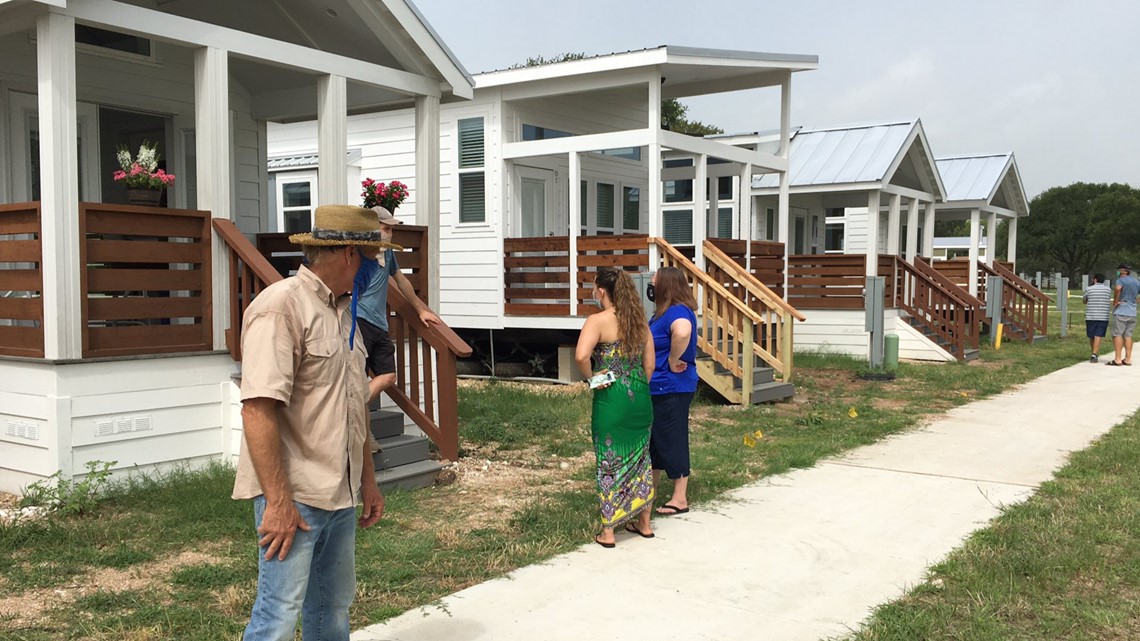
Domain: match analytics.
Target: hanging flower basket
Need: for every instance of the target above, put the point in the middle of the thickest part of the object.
(141, 176)
(145, 197)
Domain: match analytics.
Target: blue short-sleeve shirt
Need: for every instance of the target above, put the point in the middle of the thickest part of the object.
(665, 381)
(373, 304)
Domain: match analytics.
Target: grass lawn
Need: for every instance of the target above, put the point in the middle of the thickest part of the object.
(173, 557)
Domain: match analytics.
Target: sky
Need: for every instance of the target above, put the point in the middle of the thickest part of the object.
(1057, 83)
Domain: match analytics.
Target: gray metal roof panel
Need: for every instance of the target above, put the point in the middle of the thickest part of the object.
(842, 155)
(972, 177)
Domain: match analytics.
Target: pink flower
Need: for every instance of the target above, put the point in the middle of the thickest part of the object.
(119, 175)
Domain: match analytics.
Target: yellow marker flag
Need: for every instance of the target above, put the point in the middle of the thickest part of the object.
(758, 435)
(749, 441)
(852, 413)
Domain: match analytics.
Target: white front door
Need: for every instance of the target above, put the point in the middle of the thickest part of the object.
(24, 150)
(536, 203)
(800, 241)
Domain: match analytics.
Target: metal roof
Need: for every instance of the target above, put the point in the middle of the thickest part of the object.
(698, 52)
(972, 177)
(307, 161)
(843, 155)
(956, 242)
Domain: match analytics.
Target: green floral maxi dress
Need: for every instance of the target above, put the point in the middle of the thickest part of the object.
(622, 414)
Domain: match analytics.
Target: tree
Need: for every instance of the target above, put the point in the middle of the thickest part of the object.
(672, 111)
(1072, 229)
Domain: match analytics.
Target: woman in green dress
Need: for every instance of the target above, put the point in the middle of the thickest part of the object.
(618, 340)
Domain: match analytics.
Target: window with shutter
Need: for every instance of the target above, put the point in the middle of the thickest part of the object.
(630, 208)
(678, 226)
(472, 190)
(583, 205)
(605, 202)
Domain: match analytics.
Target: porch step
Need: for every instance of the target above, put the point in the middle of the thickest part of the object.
(1039, 338)
(971, 354)
(410, 476)
(386, 423)
(400, 450)
(764, 388)
(772, 392)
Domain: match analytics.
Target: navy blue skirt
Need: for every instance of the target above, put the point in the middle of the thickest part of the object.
(669, 436)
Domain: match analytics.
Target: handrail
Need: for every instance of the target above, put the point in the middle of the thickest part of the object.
(705, 279)
(440, 337)
(1032, 315)
(240, 245)
(748, 281)
(960, 295)
(943, 311)
(1018, 281)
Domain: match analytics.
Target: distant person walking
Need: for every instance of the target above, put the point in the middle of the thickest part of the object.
(1098, 306)
(1124, 315)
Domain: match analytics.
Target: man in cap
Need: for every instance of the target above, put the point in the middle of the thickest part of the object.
(304, 451)
(1124, 314)
(372, 312)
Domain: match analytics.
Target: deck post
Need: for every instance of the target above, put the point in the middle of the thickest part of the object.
(332, 140)
(427, 187)
(653, 181)
(928, 232)
(212, 141)
(912, 231)
(59, 191)
(873, 233)
(745, 214)
(701, 211)
(1011, 249)
(782, 212)
(991, 238)
(574, 216)
(747, 362)
(893, 225)
(975, 237)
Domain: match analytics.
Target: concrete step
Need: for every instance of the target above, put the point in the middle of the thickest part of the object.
(760, 376)
(772, 392)
(385, 423)
(410, 476)
(1039, 338)
(400, 450)
(971, 354)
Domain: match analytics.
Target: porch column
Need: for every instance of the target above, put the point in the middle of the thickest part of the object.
(1011, 249)
(893, 225)
(912, 231)
(700, 209)
(59, 193)
(213, 153)
(574, 217)
(872, 249)
(744, 213)
(653, 180)
(928, 231)
(975, 235)
(991, 238)
(427, 187)
(784, 152)
(332, 141)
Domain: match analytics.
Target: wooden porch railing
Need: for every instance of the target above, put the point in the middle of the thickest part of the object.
(958, 271)
(943, 309)
(537, 270)
(21, 281)
(835, 281)
(1023, 305)
(726, 331)
(425, 354)
(146, 280)
(774, 335)
(767, 260)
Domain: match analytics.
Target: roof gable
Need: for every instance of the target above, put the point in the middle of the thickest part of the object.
(992, 179)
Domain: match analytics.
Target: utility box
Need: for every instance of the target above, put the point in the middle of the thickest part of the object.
(641, 281)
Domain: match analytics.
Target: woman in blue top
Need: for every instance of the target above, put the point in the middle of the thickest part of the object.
(674, 381)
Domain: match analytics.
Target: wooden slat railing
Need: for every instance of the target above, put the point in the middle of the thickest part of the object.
(767, 260)
(938, 306)
(21, 281)
(726, 328)
(1023, 305)
(537, 270)
(774, 334)
(958, 271)
(826, 281)
(146, 280)
(425, 355)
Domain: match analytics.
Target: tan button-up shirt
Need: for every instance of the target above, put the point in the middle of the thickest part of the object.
(294, 345)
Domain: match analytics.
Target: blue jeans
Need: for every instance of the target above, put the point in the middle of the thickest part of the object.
(316, 580)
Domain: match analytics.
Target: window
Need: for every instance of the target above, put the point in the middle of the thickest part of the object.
(724, 187)
(678, 226)
(296, 199)
(770, 227)
(584, 205)
(531, 132)
(721, 226)
(628, 153)
(604, 197)
(112, 40)
(472, 190)
(630, 208)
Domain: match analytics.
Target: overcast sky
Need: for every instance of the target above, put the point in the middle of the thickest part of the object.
(1058, 83)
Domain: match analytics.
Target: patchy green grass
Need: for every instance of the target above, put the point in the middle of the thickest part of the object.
(174, 557)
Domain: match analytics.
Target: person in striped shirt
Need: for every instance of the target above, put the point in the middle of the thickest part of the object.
(1098, 303)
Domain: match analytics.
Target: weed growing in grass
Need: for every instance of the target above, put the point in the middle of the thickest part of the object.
(65, 497)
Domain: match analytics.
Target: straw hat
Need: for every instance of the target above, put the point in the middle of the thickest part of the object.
(342, 225)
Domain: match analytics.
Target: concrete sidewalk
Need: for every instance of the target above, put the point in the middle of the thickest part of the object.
(804, 555)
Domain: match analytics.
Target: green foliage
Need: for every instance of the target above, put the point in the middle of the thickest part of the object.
(673, 118)
(70, 498)
(1078, 229)
(538, 61)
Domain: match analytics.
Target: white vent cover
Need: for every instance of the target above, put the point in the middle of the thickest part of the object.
(22, 429)
(122, 425)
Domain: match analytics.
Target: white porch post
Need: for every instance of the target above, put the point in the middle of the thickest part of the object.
(928, 231)
(700, 209)
(873, 232)
(975, 235)
(212, 142)
(893, 225)
(1011, 249)
(784, 152)
(427, 187)
(332, 141)
(653, 180)
(912, 231)
(59, 191)
(991, 238)
(744, 213)
(574, 217)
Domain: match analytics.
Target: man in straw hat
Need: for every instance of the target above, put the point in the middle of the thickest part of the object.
(304, 453)
(372, 312)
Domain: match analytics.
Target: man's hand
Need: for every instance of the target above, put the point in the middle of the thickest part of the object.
(373, 507)
(279, 524)
(428, 317)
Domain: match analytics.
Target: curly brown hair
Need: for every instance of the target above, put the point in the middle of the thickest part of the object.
(630, 315)
(672, 288)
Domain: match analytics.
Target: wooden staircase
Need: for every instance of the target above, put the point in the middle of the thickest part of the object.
(1025, 308)
(942, 311)
(425, 388)
(744, 335)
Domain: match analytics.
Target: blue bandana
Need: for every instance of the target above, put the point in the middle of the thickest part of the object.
(368, 269)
